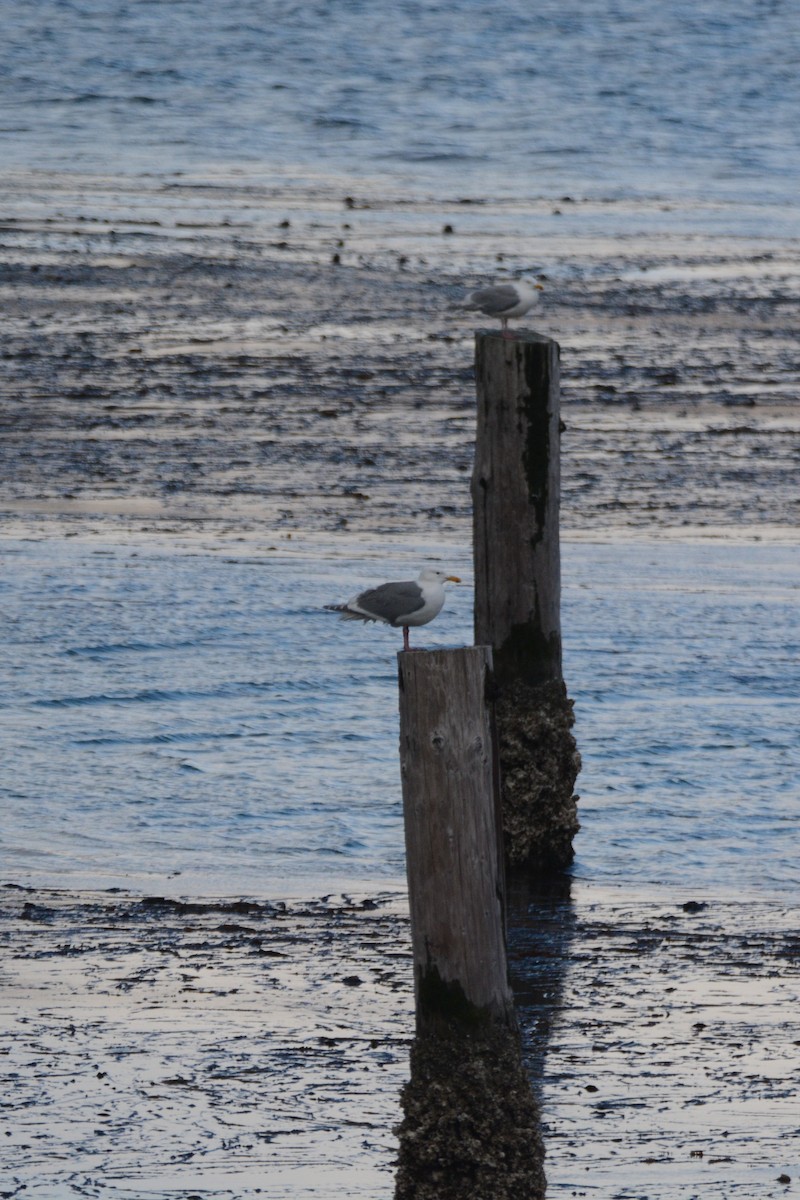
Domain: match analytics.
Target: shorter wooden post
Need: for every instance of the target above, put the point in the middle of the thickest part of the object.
(470, 1122)
(452, 823)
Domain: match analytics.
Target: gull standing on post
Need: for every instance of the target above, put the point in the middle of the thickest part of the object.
(412, 602)
(505, 300)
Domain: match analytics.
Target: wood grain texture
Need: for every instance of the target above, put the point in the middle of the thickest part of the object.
(516, 496)
(453, 844)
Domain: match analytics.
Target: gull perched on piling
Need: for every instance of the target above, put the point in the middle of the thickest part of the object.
(410, 602)
(505, 300)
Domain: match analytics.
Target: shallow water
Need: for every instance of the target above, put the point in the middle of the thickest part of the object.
(190, 719)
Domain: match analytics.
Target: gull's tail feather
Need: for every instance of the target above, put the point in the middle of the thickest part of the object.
(464, 302)
(346, 613)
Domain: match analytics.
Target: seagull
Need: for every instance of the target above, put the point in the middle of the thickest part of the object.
(412, 602)
(505, 300)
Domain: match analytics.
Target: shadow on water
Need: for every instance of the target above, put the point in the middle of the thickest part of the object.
(471, 1127)
(541, 928)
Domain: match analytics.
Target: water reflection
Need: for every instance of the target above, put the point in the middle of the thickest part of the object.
(541, 929)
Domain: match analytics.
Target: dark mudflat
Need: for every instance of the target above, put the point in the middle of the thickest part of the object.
(160, 1048)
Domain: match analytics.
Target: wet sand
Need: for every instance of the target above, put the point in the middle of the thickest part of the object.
(217, 1048)
(180, 360)
(155, 1048)
(257, 361)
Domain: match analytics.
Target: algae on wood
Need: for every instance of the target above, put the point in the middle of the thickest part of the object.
(516, 500)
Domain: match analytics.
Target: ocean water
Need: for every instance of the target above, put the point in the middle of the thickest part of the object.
(190, 720)
(628, 98)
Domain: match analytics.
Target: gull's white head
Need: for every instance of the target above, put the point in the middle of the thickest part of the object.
(431, 575)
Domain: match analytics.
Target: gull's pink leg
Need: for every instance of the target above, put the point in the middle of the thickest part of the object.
(506, 331)
(406, 645)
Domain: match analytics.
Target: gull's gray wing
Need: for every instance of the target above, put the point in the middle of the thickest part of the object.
(392, 600)
(494, 301)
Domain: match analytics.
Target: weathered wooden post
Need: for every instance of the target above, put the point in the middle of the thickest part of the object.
(454, 857)
(470, 1124)
(516, 497)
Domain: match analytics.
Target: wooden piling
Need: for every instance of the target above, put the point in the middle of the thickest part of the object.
(452, 823)
(470, 1123)
(516, 484)
(516, 501)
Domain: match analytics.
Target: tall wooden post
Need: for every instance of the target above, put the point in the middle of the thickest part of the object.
(516, 499)
(516, 484)
(470, 1123)
(452, 822)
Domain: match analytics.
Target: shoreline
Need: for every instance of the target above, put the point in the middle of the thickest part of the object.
(51, 520)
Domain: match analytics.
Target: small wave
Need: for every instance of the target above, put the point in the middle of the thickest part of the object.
(339, 123)
(144, 697)
(434, 156)
(157, 73)
(101, 98)
(124, 647)
(156, 695)
(164, 739)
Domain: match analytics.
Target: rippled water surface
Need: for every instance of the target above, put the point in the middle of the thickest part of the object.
(192, 720)
(507, 98)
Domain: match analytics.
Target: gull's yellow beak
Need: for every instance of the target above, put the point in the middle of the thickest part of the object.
(539, 287)
(452, 579)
